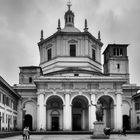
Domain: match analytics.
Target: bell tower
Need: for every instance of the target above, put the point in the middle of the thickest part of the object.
(116, 61)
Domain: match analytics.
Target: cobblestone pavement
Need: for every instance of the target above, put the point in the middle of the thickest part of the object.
(73, 137)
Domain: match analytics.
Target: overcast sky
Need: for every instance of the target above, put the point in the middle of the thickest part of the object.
(22, 20)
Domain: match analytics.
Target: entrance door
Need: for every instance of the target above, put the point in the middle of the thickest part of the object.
(126, 122)
(76, 122)
(55, 123)
(28, 121)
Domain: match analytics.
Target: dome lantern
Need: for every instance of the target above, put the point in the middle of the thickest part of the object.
(69, 16)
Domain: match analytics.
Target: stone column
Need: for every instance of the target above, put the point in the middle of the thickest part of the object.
(115, 116)
(92, 110)
(119, 111)
(41, 112)
(67, 113)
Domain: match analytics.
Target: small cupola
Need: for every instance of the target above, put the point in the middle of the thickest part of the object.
(69, 16)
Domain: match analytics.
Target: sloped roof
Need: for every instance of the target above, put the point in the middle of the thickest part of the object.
(70, 29)
(2, 81)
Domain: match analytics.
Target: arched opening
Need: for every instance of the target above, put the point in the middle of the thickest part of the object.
(29, 108)
(126, 122)
(28, 121)
(126, 111)
(79, 113)
(108, 113)
(54, 113)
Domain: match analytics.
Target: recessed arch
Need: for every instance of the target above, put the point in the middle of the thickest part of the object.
(80, 95)
(54, 95)
(54, 113)
(29, 107)
(80, 113)
(111, 96)
(28, 100)
(108, 110)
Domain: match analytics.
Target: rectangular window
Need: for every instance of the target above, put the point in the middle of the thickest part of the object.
(117, 51)
(121, 51)
(118, 66)
(114, 51)
(0, 97)
(49, 52)
(6, 118)
(72, 50)
(14, 106)
(138, 120)
(136, 106)
(76, 74)
(3, 117)
(93, 55)
(4, 99)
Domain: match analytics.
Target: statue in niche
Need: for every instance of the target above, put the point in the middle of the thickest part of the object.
(99, 111)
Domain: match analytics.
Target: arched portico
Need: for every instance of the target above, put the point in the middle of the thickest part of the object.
(108, 106)
(80, 114)
(28, 121)
(126, 112)
(29, 116)
(54, 113)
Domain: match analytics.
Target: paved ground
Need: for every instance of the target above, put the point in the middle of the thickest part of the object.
(74, 137)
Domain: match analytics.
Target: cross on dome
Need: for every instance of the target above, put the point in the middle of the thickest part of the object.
(69, 4)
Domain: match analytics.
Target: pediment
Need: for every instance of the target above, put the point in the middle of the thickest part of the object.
(49, 45)
(72, 41)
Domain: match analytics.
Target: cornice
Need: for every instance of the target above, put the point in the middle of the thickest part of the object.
(70, 33)
(101, 79)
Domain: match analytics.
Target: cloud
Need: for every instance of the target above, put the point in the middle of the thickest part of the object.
(22, 20)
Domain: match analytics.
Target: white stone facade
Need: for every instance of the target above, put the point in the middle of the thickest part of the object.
(57, 95)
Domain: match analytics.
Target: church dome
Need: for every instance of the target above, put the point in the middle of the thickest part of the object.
(70, 29)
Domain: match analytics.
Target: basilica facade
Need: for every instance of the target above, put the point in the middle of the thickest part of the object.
(62, 92)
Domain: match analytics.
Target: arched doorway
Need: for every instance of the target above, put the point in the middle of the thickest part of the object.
(30, 108)
(126, 122)
(28, 121)
(126, 111)
(79, 113)
(108, 106)
(54, 113)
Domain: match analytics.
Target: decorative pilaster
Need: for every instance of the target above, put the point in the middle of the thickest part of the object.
(67, 113)
(41, 112)
(92, 109)
(118, 111)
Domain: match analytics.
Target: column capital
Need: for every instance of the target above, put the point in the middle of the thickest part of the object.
(93, 91)
(67, 92)
(40, 92)
(118, 92)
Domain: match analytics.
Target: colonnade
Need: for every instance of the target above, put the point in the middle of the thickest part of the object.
(67, 112)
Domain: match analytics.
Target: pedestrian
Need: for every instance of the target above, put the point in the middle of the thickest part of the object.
(26, 133)
(124, 131)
